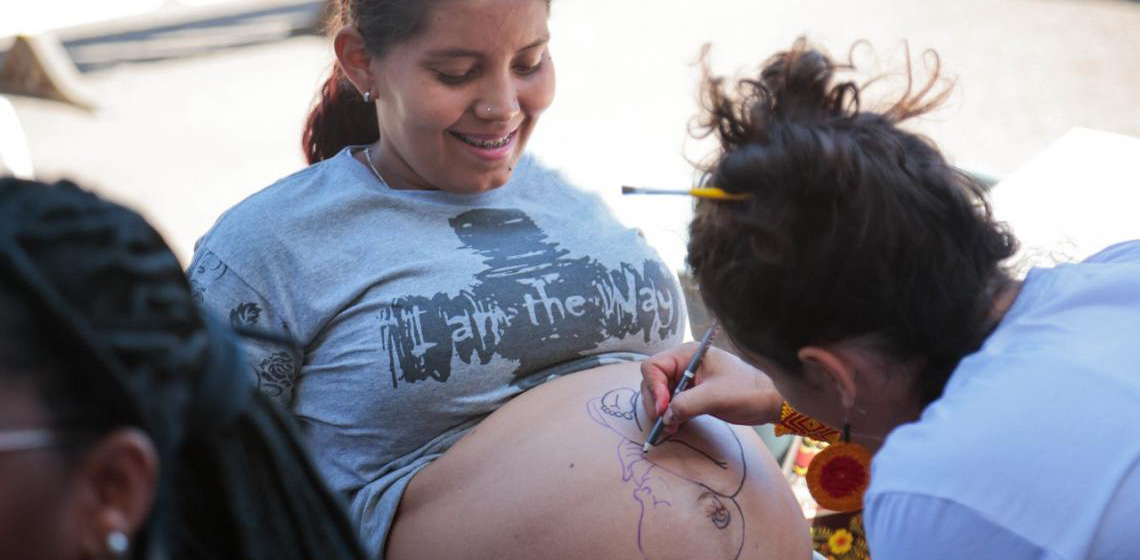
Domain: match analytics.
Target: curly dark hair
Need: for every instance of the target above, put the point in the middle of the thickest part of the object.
(855, 227)
(97, 317)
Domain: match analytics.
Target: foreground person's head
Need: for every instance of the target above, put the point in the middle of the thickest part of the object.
(128, 426)
(864, 266)
(450, 89)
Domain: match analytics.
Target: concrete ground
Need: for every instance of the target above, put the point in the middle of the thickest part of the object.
(183, 139)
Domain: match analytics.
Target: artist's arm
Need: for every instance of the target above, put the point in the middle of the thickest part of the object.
(725, 387)
(904, 525)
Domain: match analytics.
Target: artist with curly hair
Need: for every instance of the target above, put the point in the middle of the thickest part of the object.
(864, 276)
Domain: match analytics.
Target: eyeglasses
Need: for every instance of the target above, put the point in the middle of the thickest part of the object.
(27, 440)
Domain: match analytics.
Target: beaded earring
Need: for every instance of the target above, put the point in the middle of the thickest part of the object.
(840, 474)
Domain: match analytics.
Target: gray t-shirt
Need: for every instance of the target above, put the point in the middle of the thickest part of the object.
(420, 312)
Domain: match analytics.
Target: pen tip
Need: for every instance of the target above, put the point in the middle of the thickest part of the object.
(625, 189)
(645, 448)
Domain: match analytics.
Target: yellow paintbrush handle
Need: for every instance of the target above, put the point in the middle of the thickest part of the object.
(718, 194)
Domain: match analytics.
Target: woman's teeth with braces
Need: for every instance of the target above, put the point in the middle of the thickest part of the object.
(486, 144)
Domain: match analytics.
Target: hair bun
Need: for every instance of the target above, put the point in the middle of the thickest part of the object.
(856, 228)
(799, 82)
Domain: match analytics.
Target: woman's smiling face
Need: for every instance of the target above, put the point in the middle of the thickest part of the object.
(457, 101)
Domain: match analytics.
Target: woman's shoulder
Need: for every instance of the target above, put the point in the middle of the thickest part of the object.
(281, 210)
(541, 180)
(290, 195)
(1125, 251)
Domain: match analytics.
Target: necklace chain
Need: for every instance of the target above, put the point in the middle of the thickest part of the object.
(372, 166)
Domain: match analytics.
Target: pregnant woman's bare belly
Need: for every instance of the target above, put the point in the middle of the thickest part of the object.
(558, 473)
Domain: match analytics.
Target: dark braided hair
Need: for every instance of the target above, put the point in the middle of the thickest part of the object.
(99, 319)
(855, 229)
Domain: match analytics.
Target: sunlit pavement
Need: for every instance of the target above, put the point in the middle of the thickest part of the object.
(184, 139)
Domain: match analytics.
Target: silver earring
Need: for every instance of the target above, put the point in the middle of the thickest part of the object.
(117, 544)
(368, 97)
(490, 111)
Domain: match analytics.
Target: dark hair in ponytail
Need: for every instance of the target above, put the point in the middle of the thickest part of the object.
(98, 319)
(340, 117)
(856, 229)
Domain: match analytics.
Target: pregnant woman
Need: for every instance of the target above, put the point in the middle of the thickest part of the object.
(431, 271)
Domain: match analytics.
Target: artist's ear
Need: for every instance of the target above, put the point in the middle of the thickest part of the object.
(354, 57)
(116, 482)
(830, 368)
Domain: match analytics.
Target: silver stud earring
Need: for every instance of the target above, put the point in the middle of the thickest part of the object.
(117, 544)
(368, 97)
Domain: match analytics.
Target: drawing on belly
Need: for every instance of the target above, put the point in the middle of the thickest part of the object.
(533, 305)
(690, 481)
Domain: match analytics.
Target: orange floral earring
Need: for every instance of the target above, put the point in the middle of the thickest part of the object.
(838, 475)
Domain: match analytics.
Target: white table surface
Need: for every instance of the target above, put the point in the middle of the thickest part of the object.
(1077, 196)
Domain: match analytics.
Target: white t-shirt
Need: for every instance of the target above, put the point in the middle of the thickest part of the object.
(1033, 451)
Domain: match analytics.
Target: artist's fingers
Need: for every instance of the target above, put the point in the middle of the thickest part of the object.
(659, 374)
(696, 401)
(649, 399)
(654, 395)
(727, 388)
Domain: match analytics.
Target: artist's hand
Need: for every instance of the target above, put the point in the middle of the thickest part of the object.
(725, 387)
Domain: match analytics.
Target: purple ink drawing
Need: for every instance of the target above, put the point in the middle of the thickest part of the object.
(667, 498)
